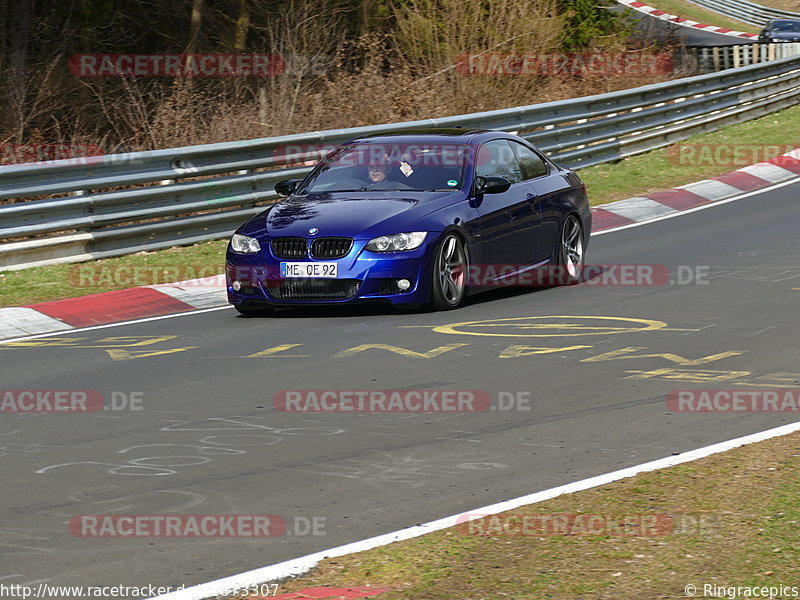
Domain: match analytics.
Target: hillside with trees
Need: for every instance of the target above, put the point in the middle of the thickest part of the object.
(344, 63)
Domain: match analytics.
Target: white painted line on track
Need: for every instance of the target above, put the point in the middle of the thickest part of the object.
(696, 208)
(303, 564)
(109, 325)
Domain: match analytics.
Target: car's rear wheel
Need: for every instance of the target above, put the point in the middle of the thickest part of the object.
(449, 285)
(571, 251)
(251, 310)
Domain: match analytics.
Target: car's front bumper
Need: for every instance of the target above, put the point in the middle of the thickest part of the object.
(363, 276)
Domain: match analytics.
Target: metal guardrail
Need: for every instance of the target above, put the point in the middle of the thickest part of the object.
(708, 59)
(105, 206)
(747, 12)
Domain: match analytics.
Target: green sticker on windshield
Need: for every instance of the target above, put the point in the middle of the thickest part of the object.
(452, 183)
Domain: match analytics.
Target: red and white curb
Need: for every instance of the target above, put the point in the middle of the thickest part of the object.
(687, 197)
(196, 294)
(665, 16)
(112, 307)
(299, 566)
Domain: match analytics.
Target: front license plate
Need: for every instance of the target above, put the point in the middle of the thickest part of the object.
(310, 269)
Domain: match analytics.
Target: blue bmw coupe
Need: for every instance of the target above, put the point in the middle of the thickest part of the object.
(412, 218)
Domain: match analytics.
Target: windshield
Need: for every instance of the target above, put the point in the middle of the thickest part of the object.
(390, 167)
(789, 26)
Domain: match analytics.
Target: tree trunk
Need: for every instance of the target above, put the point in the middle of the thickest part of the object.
(18, 41)
(198, 9)
(242, 26)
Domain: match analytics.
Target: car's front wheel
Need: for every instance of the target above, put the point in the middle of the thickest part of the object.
(571, 251)
(449, 285)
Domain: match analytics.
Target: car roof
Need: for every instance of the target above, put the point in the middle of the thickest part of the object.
(428, 135)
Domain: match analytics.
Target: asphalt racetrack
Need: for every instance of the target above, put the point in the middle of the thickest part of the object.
(597, 361)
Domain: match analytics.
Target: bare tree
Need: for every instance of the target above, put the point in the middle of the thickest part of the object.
(18, 42)
(198, 10)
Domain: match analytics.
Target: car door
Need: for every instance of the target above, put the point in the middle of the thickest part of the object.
(505, 220)
(544, 200)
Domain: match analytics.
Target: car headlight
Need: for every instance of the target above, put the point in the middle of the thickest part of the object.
(243, 244)
(397, 242)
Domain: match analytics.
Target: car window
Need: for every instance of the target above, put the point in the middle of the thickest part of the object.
(390, 167)
(531, 163)
(786, 26)
(497, 159)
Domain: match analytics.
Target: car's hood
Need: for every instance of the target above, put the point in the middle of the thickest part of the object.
(360, 215)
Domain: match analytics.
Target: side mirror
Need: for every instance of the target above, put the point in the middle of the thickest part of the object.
(285, 188)
(491, 185)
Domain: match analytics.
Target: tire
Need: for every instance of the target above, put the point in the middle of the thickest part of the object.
(254, 311)
(449, 273)
(571, 252)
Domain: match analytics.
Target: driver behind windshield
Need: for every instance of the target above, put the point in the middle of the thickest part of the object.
(378, 173)
(362, 168)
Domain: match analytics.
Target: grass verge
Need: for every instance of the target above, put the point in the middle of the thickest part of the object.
(638, 175)
(690, 11)
(695, 158)
(55, 282)
(790, 5)
(737, 516)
